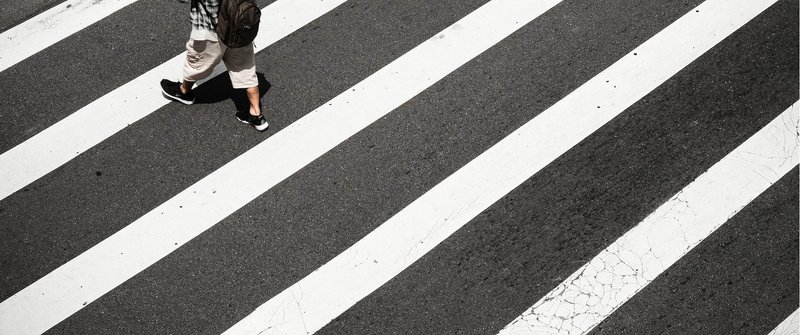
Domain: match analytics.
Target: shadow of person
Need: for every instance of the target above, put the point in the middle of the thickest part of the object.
(219, 89)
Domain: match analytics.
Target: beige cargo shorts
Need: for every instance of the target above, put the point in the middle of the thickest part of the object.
(203, 56)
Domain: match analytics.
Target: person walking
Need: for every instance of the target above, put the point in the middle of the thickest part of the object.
(204, 51)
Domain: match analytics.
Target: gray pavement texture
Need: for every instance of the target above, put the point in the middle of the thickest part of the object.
(736, 282)
(513, 254)
(487, 273)
(13, 12)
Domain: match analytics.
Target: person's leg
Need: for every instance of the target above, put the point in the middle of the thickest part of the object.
(201, 58)
(254, 116)
(241, 64)
(186, 86)
(254, 97)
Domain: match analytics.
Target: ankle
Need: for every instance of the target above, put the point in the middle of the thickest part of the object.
(185, 87)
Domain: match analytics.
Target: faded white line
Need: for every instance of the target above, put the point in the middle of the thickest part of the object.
(790, 326)
(55, 24)
(324, 294)
(629, 264)
(67, 289)
(129, 103)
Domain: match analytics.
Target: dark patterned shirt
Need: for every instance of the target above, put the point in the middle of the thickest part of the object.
(204, 17)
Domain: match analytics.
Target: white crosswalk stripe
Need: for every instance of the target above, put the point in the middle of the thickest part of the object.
(598, 288)
(790, 326)
(204, 204)
(51, 26)
(131, 102)
(315, 300)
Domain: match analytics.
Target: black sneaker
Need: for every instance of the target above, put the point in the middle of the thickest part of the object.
(172, 90)
(256, 121)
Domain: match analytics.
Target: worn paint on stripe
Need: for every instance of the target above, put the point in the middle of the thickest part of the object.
(634, 260)
(172, 224)
(55, 24)
(327, 292)
(790, 326)
(131, 102)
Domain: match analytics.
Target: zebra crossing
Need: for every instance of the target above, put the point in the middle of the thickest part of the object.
(341, 279)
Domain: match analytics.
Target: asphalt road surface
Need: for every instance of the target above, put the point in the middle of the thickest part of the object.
(431, 167)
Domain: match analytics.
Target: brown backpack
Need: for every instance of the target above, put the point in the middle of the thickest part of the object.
(237, 22)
